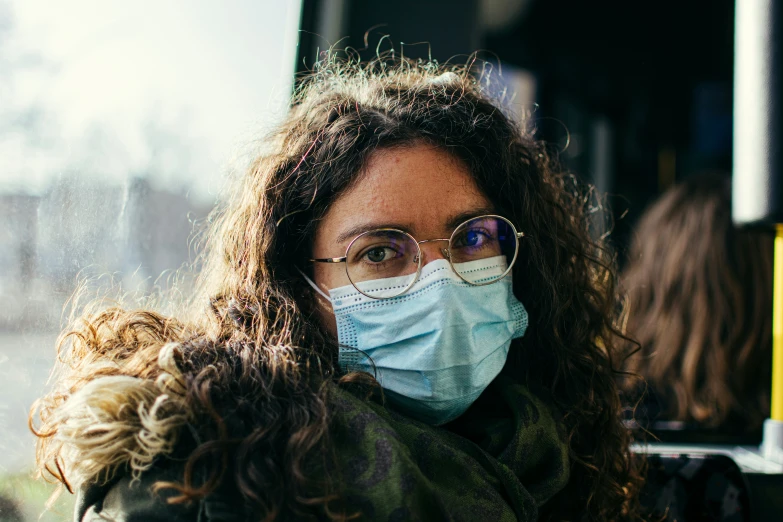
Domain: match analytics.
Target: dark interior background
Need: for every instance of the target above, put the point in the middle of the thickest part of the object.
(644, 89)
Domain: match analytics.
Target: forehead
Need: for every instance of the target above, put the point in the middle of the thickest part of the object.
(418, 188)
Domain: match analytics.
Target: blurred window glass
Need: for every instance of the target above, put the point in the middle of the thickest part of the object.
(118, 122)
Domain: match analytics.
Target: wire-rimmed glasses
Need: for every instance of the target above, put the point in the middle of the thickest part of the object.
(387, 253)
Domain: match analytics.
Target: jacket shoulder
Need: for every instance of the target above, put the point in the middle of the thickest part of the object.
(127, 500)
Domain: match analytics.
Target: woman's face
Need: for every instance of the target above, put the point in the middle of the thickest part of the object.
(419, 189)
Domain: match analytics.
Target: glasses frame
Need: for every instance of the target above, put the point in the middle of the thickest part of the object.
(445, 251)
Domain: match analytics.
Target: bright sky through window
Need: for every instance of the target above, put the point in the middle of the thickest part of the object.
(113, 89)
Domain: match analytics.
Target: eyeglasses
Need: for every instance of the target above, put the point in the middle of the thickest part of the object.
(391, 253)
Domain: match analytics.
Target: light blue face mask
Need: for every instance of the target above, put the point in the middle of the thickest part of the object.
(437, 347)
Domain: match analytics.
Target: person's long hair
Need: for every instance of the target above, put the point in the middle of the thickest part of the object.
(258, 353)
(700, 304)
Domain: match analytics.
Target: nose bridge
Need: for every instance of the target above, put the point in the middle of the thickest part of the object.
(432, 249)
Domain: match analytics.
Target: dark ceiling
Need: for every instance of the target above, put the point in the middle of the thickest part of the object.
(657, 76)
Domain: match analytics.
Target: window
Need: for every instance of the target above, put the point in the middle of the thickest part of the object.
(118, 122)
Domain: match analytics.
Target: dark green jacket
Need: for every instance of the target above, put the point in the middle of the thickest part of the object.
(502, 460)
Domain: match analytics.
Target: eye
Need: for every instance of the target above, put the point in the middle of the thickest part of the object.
(472, 238)
(380, 254)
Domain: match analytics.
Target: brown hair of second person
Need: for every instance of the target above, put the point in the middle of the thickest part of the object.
(700, 303)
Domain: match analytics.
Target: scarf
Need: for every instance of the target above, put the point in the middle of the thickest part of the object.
(500, 461)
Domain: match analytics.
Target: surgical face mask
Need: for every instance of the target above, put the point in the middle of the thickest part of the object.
(437, 347)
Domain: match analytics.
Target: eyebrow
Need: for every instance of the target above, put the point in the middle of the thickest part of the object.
(460, 218)
(452, 223)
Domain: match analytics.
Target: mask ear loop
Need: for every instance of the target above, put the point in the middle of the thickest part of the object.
(342, 346)
(316, 288)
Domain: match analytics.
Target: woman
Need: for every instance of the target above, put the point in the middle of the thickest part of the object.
(407, 320)
(700, 304)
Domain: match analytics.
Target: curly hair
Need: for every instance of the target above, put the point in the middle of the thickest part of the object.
(700, 295)
(342, 113)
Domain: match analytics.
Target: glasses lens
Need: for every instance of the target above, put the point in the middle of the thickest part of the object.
(477, 242)
(382, 254)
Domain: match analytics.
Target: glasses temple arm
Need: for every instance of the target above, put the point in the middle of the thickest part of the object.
(329, 260)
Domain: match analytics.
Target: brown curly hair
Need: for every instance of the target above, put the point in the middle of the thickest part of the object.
(699, 296)
(261, 336)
